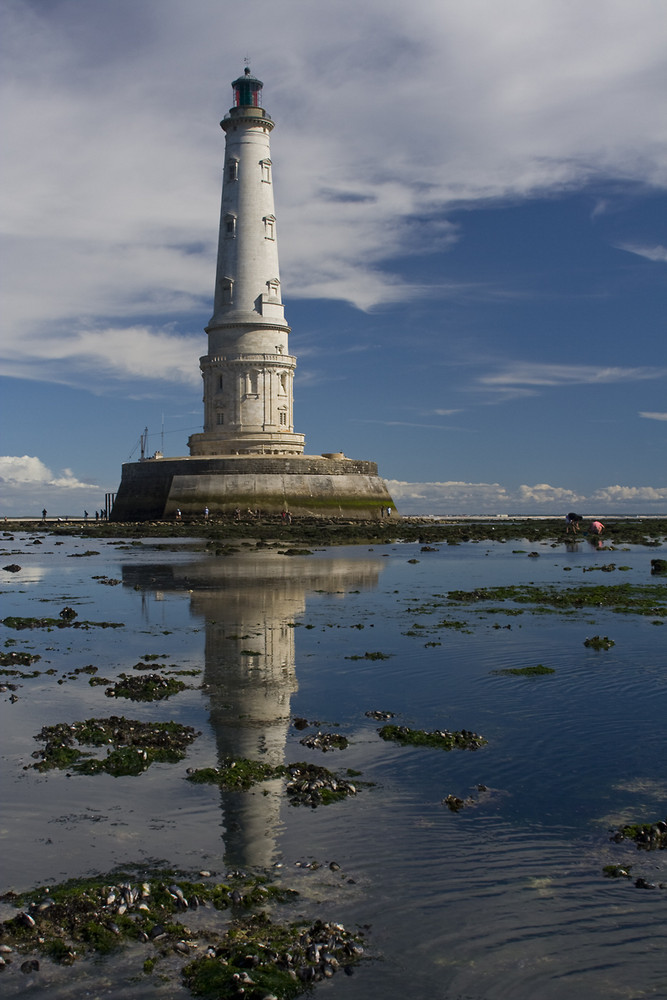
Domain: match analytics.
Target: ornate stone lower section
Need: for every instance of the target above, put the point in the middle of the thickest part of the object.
(263, 443)
(306, 485)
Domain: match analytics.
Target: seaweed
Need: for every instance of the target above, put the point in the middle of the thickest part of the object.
(621, 598)
(18, 659)
(105, 912)
(461, 739)
(371, 656)
(17, 622)
(537, 671)
(132, 746)
(258, 957)
(306, 784)
(147, 687)
(599, 642)
(647, 836)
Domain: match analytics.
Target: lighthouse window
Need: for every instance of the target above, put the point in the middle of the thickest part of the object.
(230, 225)
(265, 166)
(226, 289)
(270, 227)
(253, 383)
(282, 384)
(220, 382)
(221, 418)
(233, 170)
(283, 418)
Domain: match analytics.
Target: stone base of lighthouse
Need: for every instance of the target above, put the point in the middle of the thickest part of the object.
(306, 485)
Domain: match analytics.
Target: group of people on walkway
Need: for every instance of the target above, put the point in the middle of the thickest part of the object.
(100, 515)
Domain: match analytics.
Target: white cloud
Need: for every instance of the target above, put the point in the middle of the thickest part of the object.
(28, 469)
(27, 485)
(112, 160)
(542, 493)
(454, 497)
(634, 494)
(128, 353)
(458, 498)
(655, 253)
(23, 469)
(654, 416)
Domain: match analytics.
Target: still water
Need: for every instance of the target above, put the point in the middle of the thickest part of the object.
(504, 899)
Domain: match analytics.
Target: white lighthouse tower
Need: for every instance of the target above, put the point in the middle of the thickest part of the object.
(248, 455)
(248, 371)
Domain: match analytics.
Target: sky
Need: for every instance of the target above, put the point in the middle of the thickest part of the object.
(471, 204)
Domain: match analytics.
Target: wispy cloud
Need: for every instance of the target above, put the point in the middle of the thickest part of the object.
(404, 423)
(654, 416)
(656, 253)
(527, 373)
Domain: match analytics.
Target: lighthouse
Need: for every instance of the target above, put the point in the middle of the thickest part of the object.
(248, 372)
(248, 455)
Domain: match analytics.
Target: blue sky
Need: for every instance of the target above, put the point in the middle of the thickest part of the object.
(471, 204)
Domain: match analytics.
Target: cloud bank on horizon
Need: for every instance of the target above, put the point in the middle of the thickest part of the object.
(389, 146)
(492, 498)
(26, 484)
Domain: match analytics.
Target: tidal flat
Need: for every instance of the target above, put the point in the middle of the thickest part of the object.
(246, 758)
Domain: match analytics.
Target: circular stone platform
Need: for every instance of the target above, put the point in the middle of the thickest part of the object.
(306, 485)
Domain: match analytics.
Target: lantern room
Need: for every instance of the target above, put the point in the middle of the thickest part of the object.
(247, 90)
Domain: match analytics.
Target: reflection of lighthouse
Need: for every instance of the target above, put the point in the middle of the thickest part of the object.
(250, 677)
(249, 604)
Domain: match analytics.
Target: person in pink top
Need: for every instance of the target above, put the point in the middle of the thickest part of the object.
(596, 528)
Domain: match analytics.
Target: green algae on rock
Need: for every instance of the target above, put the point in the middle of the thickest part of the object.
(307, 784)
(18, 659)
(461, 739)
(102, 913)
(17, 622)
(371, 656)
(131, 746)
(624, 598)
(325, 741)
(537, 671)
(617, 871)
(599, 642)
(259, 958)
(235, 773)
(146, 687)
(647, 836)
